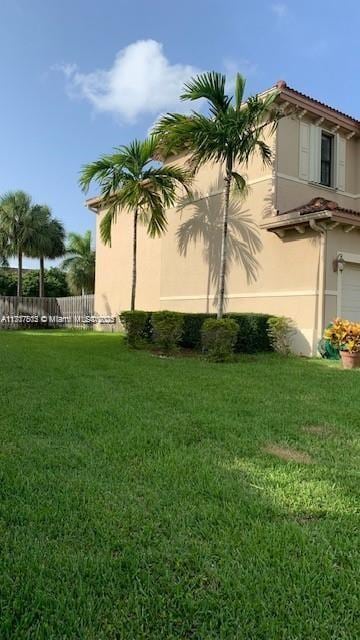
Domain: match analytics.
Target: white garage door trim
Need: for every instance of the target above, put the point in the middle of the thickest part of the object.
(344, 258)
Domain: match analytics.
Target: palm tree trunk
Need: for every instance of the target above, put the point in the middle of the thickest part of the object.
(223, 256)
(41, 277)
(19, 282)
(133, 284)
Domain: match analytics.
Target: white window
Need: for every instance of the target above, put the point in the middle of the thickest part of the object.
(322, 156)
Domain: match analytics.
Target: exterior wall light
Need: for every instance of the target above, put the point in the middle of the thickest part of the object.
(340, 262)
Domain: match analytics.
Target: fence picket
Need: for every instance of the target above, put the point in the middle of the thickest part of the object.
(74, 307)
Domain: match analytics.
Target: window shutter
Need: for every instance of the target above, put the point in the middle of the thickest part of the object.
(304, 148)
(315, 153)
(340, 162)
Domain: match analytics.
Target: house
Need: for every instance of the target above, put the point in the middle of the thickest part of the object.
(294, 246)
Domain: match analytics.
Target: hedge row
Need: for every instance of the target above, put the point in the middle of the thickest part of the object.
(252, 334)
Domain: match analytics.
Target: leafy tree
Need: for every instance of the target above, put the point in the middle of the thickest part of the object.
(80, 263)
(55, 283)
(131, 181)
(16, 227)
(8, 282)
(229, 135)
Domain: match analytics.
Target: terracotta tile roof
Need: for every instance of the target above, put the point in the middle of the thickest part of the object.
(281, 85)
(316, 205)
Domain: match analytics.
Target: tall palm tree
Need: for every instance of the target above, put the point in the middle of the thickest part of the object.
(229, 135)
(131, 181)
(47, 240)
(80, 263)
(16, 227)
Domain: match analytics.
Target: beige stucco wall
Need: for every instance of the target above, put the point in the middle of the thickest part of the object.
(266, 273)
(114, 268)
(292, 191)
(337, 242)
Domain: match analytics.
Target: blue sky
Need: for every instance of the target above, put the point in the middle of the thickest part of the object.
(81, 76)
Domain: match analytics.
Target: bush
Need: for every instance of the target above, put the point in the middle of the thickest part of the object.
(280, 330)
(55, 283)
(253, 332)
(219, 338)
(137, 325)
(191, 338)
(168, 327)
(8, 282)
(252, 335)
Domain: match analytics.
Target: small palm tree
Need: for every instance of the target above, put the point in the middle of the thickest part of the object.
(130, 180)
(47, 240)
(228, 135)
(80, 263)
(16, 227)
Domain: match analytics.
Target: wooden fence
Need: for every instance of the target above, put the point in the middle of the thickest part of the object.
(18, 312)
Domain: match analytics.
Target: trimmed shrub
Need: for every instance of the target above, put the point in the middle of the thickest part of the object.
(253, 332)
(219, 338)
(191, 338)
(137, 325)
(252, 335)
(168, 327)
(280, 330)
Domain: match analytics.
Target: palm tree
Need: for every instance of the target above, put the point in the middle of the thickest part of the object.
(16, 227)
(229, 135)
(4, 249)
(80, 263)
(130, 180)
(47, 241)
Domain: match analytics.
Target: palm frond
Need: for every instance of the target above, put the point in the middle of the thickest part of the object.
(239, 90)
(211, 87)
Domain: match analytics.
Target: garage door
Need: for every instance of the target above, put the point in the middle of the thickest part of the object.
(350, 294)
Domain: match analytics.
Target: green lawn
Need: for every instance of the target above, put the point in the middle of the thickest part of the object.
(148, 498)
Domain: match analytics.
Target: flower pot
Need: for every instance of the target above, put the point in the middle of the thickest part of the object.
(350, 359)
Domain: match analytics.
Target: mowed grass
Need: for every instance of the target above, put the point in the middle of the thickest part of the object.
(157, 498)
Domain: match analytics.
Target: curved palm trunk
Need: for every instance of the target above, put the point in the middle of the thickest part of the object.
(223, 258)
(133, 284)
(41, 277)
(19, 281)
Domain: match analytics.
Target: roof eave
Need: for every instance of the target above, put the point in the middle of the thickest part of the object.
(298, 222)
(307, 105)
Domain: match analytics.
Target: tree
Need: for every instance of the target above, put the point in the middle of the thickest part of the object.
(80, 263)
(16, 227)
(47, 240)
(8, 282)
(131, 181)
(55, 283)
(4, 249)
(230, 134)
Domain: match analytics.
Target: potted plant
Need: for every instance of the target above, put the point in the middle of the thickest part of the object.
(345, 336)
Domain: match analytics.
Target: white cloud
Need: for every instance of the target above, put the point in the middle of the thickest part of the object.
(280, 9)
(140, 81)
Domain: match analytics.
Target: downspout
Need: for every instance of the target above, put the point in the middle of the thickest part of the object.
(322, 277)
